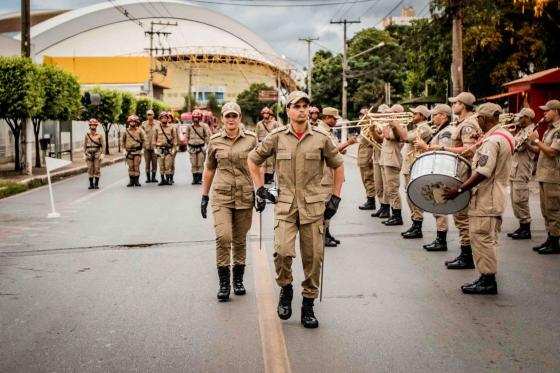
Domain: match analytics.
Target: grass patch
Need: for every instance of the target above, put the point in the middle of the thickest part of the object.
(8, 188)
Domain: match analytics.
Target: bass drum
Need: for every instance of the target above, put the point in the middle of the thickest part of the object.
(431, 174)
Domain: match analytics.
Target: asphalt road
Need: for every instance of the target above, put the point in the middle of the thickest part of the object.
(125, 280)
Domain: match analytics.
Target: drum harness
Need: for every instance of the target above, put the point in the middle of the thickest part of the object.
(97, 146)
(165, 149)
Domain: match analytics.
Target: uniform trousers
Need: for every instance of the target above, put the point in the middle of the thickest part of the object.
(197, 162)
(231, 227)
(166, 163)
(93, 162)
(550, 207)
(378, 180)
(151, 160)
(415, 213)
(484, 237)
(311, 250)
(519, 192)
(461, 220)
(391, 185)
(133, 163)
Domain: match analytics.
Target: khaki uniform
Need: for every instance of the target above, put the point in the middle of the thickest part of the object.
(493, 160)
(548, 176)
(232, 196)
(198, 135)
(317, 122)
(522, 164)
(150, 157)
(165, 140)
(133, 142)
(467, 133)
(301, 202)
(263, 129)
(377, 175)
(391, 163)
(423, 131)
(94, 146)
(365, 164)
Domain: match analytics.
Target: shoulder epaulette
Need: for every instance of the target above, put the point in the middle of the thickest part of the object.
(215, 136)
(320, 130)
(250, 133)
(278, 129)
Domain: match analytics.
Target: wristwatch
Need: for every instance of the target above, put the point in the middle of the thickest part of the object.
(460, 190)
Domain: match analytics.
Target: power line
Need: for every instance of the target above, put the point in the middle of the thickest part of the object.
(390, 12)
(277, 5)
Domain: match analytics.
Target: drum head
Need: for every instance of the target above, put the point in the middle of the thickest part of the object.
(426, 192)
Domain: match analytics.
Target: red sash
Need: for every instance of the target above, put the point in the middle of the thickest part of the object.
(509, 139)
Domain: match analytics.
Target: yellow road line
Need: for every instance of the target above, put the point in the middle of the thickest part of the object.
(275, 353)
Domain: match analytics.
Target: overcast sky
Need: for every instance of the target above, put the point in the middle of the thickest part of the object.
(280, 26)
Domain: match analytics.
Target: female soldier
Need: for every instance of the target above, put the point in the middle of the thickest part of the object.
(232, 196)
(94, 150)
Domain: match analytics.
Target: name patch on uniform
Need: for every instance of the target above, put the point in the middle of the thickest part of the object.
(445, 135)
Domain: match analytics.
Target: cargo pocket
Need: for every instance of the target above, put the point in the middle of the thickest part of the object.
(553, 202)
(315, 205)
(222, 193)
(224, 160)
(247, 195)
(284, 204)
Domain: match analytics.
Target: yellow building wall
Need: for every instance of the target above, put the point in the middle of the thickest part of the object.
(104, 70)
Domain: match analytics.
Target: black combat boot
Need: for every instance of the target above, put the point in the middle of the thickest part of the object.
(91, 186)
(308, 319)
(154, 180)
(137, 181)
(223, 275)
(415, 230)
(194, 178)
(96, 183)
(284, 309)
(199, 180)
(329, 240)
(369, 205)
(168, 179)
(328, 234)
(463, 261)
(514, 232)
(395, 219)
(439, 244)
(148, 178)
(383, 212)
(523, 233)
(171, 181)
(486, 284)
(542, 245)
(162, 182)
(553, 246)
(238, 271)
(131, 181)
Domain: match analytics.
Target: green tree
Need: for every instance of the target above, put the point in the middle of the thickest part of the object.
(249, 102)
(190, 103)
(107, 112)
(21, 97)
(128, 107)
(213, 105)
(144, 104)
(327, 79)
(62, 100)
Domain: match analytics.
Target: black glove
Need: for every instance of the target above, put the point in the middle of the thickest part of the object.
(204, 206)
(263, 193)
(260, 204)
(331, 207)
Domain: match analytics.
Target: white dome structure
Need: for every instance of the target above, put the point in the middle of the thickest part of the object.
(204, 50)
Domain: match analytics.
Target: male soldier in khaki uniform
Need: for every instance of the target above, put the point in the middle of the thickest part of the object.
(314, 114)
(419, 129)
(391, 163)
(150, 157)
(384, 208)
(301, 151)
(488, 182)
(94, 151)
(521, 172)
(548, 176)
(133, 141)
(365, 164)
(198, 135)
(232, 196)
(328, 121)
(165, 140)
(264, 127)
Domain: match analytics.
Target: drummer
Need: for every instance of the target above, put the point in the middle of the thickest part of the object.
(442, 139)
(418, 128)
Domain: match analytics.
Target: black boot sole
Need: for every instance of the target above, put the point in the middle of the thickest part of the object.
(411, 237)
(239, 292)
(454, 266)
(284, 317)
(480, 292)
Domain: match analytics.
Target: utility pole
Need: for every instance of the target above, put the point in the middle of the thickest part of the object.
(344, 23)
(26, 28)
(309, 40)
(152, 33)
(457, 47)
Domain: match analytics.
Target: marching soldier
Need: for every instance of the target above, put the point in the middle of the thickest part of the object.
(548, 176)
(419, 128)
(264, 127)
(391, 163)
(232, 197)
(488, 182)
(150, 157)
(384, 208)
(94, 151)
(198, 135)
(301, 151)
(365, 164)
(165, 140)
(521, 172)
(329, 118)
(314, 114)
(133, 140)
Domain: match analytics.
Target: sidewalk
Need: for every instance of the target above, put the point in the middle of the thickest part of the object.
(17, 183)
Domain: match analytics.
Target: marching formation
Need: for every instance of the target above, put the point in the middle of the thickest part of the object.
(455, 160)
